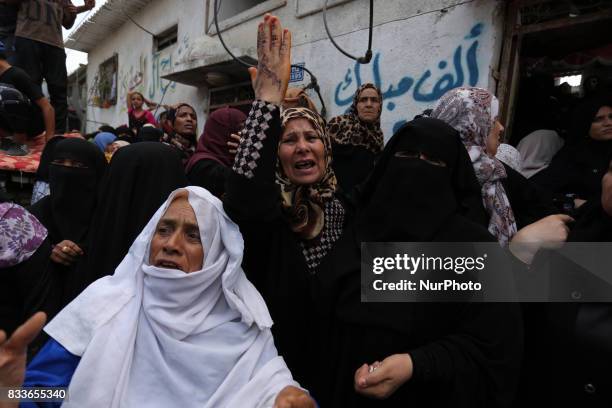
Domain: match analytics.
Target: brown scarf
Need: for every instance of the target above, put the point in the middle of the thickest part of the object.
(348, 129)
(303, 204)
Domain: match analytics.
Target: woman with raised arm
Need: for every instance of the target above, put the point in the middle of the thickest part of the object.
(282, 194)
(137, 116)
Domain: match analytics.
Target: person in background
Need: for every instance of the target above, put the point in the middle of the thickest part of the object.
(184, 120)
(212, 162)
(357, 137)
(123, 132)
(177, 324)
(512, 203)
(164, 123)
(149, 133)
(578, 331)
(578, 167)
(139, 179)
(297, 98)
(8, 23)
(510, 156)
(21, 235)
(137, 116)
(39, 45)
(537, 150)
(103, 139)
(41, 186)
(41, 114)
(75, 174)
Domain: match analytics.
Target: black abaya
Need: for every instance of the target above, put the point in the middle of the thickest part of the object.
(140, 178)
(464, 355)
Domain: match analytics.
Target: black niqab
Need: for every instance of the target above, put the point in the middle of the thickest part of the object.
(68, 210)
(410, 199)
(42, 173)
(465, 355)
(140, 178)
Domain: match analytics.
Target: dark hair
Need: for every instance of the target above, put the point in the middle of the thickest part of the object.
(2, 55)
(107, 129)
(172, 112)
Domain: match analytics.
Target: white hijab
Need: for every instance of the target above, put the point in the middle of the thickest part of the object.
(155, 337)
(538, 149)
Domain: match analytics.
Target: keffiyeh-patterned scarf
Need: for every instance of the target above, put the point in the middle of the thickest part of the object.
(20, 234)
(472, 112)
(304, 204)
(348, 129)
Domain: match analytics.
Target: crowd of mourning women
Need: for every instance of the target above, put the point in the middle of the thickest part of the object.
(225, 270)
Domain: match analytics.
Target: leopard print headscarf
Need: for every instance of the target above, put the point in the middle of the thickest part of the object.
(348, 129)
(304, 204)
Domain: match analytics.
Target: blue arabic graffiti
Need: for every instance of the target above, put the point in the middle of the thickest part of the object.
(455, 78)
(160, 65)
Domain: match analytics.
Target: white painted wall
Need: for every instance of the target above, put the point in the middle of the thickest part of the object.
(140, 68)
(415, 43)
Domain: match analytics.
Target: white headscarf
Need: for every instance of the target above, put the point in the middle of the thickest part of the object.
(538, 149)
(155, 337)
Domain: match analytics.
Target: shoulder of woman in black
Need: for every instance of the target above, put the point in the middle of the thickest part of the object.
(528, 201)
(209, 174)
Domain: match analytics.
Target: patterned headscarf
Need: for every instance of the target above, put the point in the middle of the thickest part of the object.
(297, 97)
(472, 112)
(186, 144)
(20, 234)
(348, 129)
(304, 204)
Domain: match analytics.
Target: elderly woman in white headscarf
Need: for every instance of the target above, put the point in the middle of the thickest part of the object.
(178, 324)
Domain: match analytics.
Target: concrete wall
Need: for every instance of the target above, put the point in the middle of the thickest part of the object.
(139, 67)
(421, 49)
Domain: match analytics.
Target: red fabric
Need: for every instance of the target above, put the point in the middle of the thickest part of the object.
(213, 142)
(147, 114)
(27, 163)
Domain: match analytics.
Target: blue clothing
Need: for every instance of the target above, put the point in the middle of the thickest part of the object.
(53, 366)
(103, 139)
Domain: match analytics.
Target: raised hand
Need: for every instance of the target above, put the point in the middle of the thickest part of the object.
(271, 77)
(13, 350)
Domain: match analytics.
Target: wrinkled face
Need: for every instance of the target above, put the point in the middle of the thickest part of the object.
(176, 243)
(301, 152)
(186, 121)
(601, 127)
(368, 105)
(494, 138)
(136, 101)
(606, 191)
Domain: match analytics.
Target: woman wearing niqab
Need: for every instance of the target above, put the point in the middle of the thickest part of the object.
(75, 174)
(423, 189)
(140, 177)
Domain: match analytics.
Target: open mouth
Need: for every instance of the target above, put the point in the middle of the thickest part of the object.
(168, 265)
(304, 164)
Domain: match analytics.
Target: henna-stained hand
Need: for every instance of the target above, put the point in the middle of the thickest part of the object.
(271, 77)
